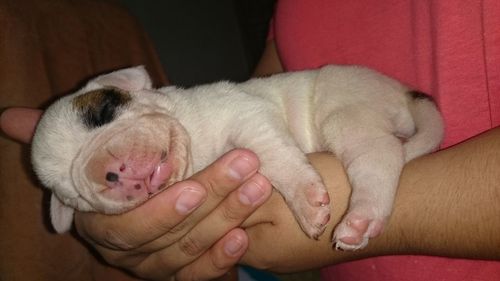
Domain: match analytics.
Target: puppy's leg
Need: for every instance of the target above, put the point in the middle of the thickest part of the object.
(291, 174)
(373, 159)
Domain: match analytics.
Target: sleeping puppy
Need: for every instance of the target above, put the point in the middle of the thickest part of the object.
(115, 143)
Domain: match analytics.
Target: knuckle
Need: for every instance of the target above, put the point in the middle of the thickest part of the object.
(230, 214)
(178, 229)
(190, 246)
(216, 188)
(117, 241)
(88, 227)
(173, 233)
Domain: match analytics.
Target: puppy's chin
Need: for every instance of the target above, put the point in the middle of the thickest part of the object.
(129, 161)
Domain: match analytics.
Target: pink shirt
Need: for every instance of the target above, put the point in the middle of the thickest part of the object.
(447, 48)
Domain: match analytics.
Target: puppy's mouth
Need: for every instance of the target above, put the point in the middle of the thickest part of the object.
(158, 178)
(134, 178)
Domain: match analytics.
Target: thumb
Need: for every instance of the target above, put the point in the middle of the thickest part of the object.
(19, 123)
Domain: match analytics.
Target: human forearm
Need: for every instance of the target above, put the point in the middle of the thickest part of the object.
(447, 205)
(448, 202)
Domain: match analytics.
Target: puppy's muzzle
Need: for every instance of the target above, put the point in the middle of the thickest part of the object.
(130, 179)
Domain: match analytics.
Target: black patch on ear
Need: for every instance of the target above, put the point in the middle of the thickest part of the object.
(417, 95)
(99, 107)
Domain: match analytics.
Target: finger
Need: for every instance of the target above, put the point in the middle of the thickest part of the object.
(268, 212)
(230, 214)
(145, 223)
(162, 215)
(19, 123)
(227, 173)
(219, 259)
(219, 179)
(227, 216)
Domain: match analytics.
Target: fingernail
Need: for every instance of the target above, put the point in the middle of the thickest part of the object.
(250, 193)
(233, 246)
(188, 200)
(241, 167)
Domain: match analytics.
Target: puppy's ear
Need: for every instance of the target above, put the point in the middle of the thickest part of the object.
(128, 79)
(60, 215)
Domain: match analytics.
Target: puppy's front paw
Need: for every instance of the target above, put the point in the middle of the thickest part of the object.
(354, 231)
(311, 207)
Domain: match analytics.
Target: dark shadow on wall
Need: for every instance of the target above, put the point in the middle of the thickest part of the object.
(205, 41)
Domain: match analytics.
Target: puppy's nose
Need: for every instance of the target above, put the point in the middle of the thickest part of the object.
(127, 188)
(112, 177)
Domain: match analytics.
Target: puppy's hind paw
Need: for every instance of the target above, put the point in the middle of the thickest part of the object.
(354, 232)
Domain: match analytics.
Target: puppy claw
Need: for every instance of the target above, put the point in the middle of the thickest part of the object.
(313, 220)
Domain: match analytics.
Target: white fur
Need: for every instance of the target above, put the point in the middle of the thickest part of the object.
(354, 112)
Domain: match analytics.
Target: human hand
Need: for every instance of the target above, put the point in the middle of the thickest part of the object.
(190, 230)
(178, 232)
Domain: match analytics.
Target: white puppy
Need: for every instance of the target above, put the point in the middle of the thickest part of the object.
(111, 145)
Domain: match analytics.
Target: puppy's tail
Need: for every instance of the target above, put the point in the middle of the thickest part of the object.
(428, 124)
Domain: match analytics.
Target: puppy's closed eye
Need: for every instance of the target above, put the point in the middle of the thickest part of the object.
(99, 107)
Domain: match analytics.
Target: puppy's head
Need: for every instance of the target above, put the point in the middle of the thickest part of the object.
(108, 147)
